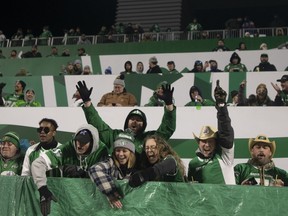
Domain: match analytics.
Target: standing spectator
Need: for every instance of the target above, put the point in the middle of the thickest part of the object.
(11, 158)
(235, 64)
(261, 97)
(83, 40)
(139, 67)
(197, 98)
(119, 96)
(16, 39)
(29, 100)
(214, 159)
(54, 52)
(33, 53)
(119, 166)
(135, 120)
(264, 64)
(45, 36)
(153, 66)
(248, 24)
(260, 168)
(76, 157)
(281, 99)
(11, 99)
(161, 163)
(156, 98)
(220, 46)
(47, 132)
(194, 26)
(2, 39)
(128, 68)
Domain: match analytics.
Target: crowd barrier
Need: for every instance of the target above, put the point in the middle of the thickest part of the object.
(80, 197)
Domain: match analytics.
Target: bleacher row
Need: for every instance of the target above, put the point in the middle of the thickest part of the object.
(56, 91)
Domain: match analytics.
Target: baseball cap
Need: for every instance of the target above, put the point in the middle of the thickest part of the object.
(84, 136)
(284, 78)
(264, 55)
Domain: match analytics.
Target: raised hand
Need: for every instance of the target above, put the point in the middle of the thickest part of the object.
(84, 91)
(167, 96)
(219, 94)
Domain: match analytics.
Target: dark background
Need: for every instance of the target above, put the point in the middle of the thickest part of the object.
(90, 15)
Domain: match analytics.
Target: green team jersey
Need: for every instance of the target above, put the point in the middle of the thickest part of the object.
(205, 102)
(11, 166)
(235, 68)
(247, 170)
(11, 99)
(155, 101)
(23, 103)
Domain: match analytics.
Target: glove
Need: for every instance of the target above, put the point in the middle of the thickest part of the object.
(83, 91)
(2, 85)
(141, 177)
(167, 96)
(219, 94)
(73, 171)
(45, 200)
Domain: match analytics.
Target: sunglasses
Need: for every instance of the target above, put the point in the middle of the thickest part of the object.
(45, 129)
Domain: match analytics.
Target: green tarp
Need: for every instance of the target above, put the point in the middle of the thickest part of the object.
(19, 197)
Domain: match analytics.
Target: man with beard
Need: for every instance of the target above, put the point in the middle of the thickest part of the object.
(47, 132)
(264, 64)
(214, 159)
(260, 168)
(135, 121)
(281, 99)
(9, 100)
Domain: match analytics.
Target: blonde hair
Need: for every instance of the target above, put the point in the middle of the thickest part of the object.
(131, 160)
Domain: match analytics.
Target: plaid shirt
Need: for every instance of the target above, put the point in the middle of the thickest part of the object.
(104, 174)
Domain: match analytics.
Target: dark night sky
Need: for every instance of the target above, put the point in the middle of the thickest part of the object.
(90, 15)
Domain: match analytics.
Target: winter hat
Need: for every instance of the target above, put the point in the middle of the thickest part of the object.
(77, 61)
(162, 83)
(207, 132)
(262, 139)
(198, 63)
(119, 80)
(136, 112)
(125, 140)
(235, 56)
(12, 137)
(233, 93)
(84, 136)
(108, 70)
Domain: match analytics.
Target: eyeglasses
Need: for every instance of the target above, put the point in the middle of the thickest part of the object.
(45, 129)
(151, 148)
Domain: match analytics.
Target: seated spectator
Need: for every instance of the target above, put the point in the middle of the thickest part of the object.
(68, 69)
(11, 99)
(198, 67)
(128, 68)
(234, 98)
(54, 52)
(76, 157)
(23, 72)
(281, 99)
(242, 46)
(171, 67)
(260, 169)
(279, 32)
(264, 64)
(32, 54)
(214, 66)
(260, 99)
(13, 55)
(197, 98)
(153, 66)
(220, 46)
(87, 70)
(155, 99)
(235, 64)
(119, 166)
(119, 96)
(77, 67)
(263, 46)
(66, 52)
(82, 52)
(11, 159)
(29, 100)
(214, 158)
(139, 67)
(160, 163)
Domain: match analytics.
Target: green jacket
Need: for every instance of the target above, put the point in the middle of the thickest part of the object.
(107, 135)
(11, 166)
(247, 170)
(205, 102)
(235, 68)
